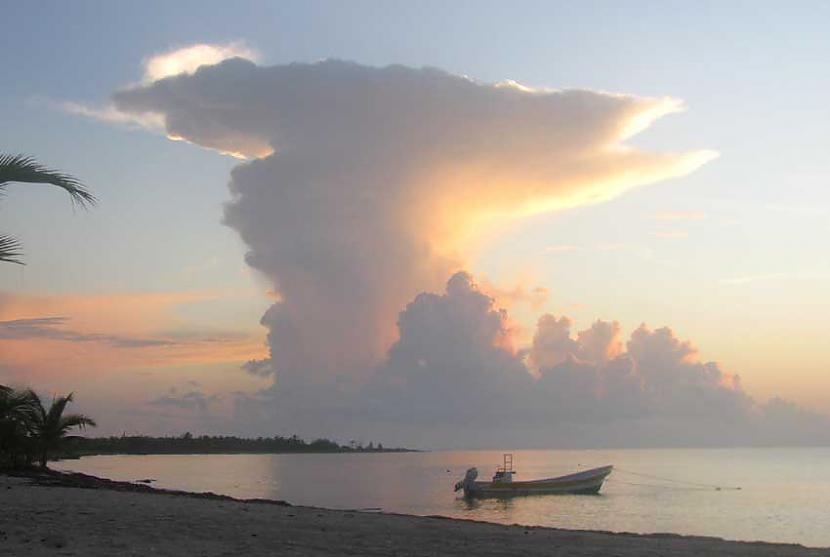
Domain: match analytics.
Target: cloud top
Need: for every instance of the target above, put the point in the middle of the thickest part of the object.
(189, 59)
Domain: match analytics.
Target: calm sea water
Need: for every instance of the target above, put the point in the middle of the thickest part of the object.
(784, 495)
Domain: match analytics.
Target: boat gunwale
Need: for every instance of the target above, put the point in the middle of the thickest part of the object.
(576, 476)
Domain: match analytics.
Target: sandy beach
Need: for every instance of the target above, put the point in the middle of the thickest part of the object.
(44, 517)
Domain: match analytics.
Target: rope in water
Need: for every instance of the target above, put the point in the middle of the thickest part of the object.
(672, 480)
(660, 486)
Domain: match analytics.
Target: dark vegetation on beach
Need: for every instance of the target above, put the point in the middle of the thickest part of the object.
(207, 444)
(30, 432)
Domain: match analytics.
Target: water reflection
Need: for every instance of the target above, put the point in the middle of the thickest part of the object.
(502, 505)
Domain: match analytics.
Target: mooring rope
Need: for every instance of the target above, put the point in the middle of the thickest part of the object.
(659, 486)
(672, 480)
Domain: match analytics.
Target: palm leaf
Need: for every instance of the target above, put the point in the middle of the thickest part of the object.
(21, 168)
(36, 409)
(75, 420)
(16, 405)
(10, 249)
(53, 417)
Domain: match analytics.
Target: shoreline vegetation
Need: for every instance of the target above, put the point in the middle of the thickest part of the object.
(210, 444)
(45, 510)
(32, 432)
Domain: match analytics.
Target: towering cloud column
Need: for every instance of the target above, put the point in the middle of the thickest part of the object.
(370, 182)
(366, 187)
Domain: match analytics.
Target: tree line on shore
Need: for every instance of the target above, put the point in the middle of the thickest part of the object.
(212, 444)
(31, 431)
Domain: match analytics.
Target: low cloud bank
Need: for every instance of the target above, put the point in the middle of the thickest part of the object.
(582, 389)
(454, 378)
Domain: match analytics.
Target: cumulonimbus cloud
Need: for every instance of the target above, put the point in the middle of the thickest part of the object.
(366, 189)
(374, 180)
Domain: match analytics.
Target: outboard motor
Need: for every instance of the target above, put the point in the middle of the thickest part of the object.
(469, 478)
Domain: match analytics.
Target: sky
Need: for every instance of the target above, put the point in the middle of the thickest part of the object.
(479, 220)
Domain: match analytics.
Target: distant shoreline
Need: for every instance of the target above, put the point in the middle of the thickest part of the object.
(87, 515)
(75, 456)
(188, 444)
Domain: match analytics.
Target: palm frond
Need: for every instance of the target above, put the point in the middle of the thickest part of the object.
(10, 249)
(22, 168)
(76, 420)
(38, 411)
(16, 405)
(53, 417)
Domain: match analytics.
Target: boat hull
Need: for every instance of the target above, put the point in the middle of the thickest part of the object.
(588, 482)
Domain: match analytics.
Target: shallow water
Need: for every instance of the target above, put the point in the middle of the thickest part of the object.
(784, 495)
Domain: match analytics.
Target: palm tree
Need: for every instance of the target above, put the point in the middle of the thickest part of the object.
(16, 408)
(49, 428)
(20, 168)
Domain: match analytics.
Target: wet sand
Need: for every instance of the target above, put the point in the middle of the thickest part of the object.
(42, 515)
